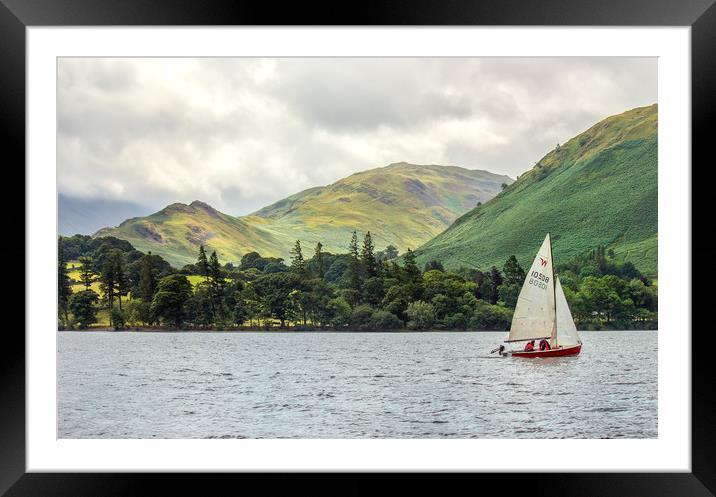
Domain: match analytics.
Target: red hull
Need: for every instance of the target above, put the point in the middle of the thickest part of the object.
(561, 352)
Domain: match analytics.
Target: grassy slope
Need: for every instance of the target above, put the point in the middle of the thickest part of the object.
(600, 188)
(176, 231)
(401, 204)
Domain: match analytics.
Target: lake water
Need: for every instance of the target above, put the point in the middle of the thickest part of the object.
(351, 385)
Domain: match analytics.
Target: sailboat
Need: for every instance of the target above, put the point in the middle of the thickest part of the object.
(542, 312)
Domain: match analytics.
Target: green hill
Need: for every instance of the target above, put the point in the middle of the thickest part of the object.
(401, 204)
(599, 188)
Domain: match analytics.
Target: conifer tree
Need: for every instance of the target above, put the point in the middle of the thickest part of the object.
(215, 277)
(367, 257)
(318, 257)
(86, 273)
(120, 275)
(216, 284)
(147, 279)
(412, 271)
(495, 282)
(353, 270)
(63, 280)
(108, 284)
(514, 274)
(201, 263)
(298, 264)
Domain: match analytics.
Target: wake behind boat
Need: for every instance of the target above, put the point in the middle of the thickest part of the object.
(542, 313)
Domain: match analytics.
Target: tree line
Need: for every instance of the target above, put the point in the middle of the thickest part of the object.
(362, 289)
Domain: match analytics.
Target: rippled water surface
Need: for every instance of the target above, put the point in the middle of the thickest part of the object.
(351, 385)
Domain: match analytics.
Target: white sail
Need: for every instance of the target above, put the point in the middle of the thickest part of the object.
(566, 330)
(534, 315)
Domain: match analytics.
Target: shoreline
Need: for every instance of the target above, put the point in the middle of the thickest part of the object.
(274, 331)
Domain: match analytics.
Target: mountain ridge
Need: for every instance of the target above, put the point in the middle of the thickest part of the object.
(401, 204)
(599, 188)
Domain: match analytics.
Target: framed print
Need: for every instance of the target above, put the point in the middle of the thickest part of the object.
(427, 239)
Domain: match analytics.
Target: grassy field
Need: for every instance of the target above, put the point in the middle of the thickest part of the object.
(600, 188)
(102, 313)
(401, 204)
(73, 271)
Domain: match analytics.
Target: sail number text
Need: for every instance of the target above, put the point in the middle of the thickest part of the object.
(539, 280)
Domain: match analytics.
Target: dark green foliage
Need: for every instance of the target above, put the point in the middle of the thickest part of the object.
(276, 266)
(200, 308)
(109, 278)
(201, 262)
(495, 282)
(64, 289)
(411, 271)
(214, 301)
(86, 271)
(602, 290)
(338, 312)
(599, 262)
(508, 294)
(240, 311)
(457, 321)
(122, 280)
(139, 312)
(491, 317)
(390, 253)
(318, 261)
(145, 272)
(385, 320)
(82, 305)
(367, 257)
(397, 299)
(605, 292)
(113, 278)
(169, 303)
(82, 245)
(253, 260)
(147, 279)
(337, 269)
(373, 291)
(216, 276)
(361, 316)
(297, 262)
(433, 265)
(274, 290)
(118, 318)
(352, 274)
(514, 274)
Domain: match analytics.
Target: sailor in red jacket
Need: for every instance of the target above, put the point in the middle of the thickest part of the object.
(530, 346)
(544, 345)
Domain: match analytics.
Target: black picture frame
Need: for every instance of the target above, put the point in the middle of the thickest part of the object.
(17, 15)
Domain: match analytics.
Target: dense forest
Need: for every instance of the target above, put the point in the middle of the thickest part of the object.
(105, 282)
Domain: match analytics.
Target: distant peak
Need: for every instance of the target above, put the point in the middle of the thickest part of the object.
(192, 207)
(201, 205)
(175, 206)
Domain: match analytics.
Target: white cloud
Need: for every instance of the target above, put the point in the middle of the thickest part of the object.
(241, 133)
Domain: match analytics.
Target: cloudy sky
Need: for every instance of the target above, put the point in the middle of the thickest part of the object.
(241, 133)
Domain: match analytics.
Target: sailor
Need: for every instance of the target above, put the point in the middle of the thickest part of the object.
(544, 345)
(499, 350)
(530, 346)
